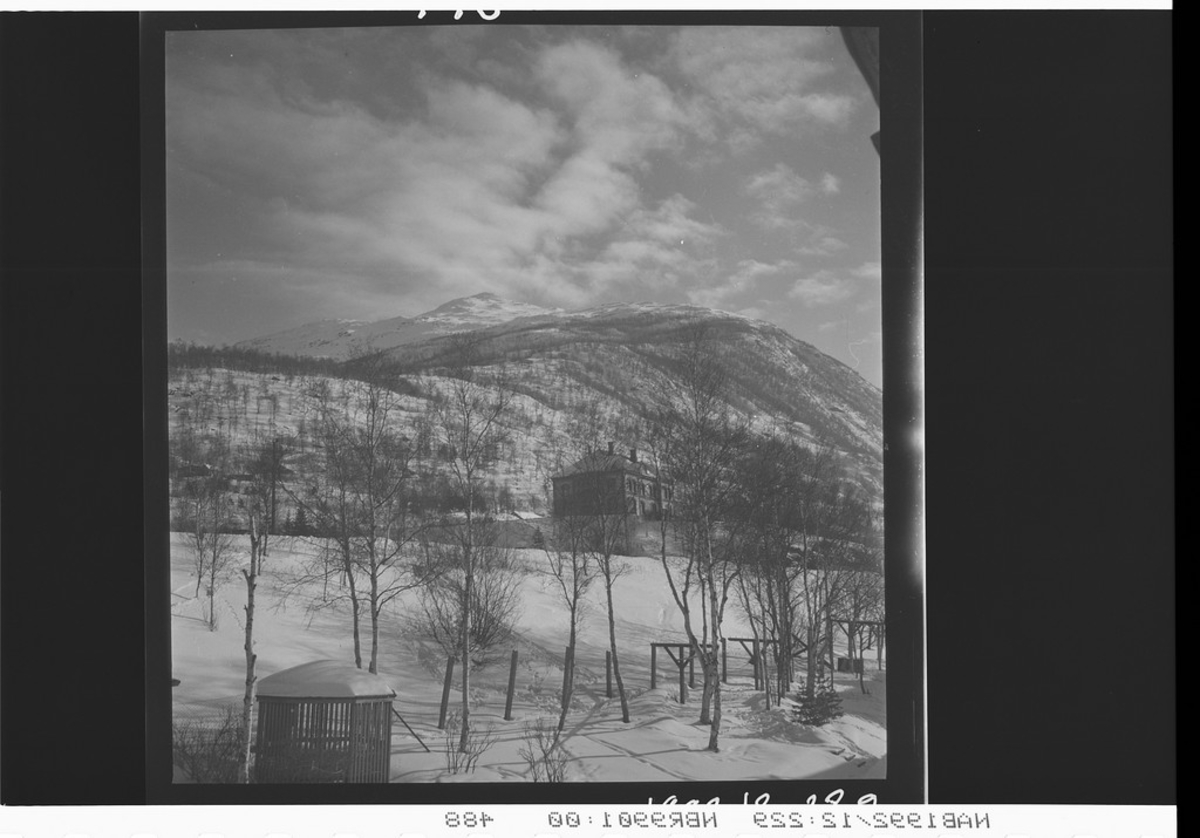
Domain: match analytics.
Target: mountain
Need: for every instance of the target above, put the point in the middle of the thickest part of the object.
(341, 339)
(626, 358)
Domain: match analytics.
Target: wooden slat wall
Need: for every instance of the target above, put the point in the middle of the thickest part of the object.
(315, 740)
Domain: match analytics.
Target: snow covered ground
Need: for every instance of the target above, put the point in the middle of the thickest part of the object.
(662, 742)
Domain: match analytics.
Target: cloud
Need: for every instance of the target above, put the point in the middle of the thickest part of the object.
(816, 239)
(762, 79)
(868, 270)
(656, 249)
(529, 166)
(820, 289)
(780, 191)
(618, 115)
(476, 190)
(744, 280)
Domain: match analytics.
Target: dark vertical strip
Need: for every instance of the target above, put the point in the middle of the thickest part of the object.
(446, 693)
(1051, 387)
(512, 685)
(70, 360)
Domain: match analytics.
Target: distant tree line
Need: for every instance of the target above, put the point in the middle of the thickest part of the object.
(182, 355)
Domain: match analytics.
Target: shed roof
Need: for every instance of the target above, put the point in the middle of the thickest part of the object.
(324, 679)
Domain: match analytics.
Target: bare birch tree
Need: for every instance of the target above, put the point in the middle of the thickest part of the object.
(699, 439)
(259, 505)
(605, 529)
(209, 512)
(363, 505)
(570, 564)
(467, 425)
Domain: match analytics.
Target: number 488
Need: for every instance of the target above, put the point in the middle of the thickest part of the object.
(468, 819)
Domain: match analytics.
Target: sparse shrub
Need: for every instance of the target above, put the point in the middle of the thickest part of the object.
(495, 608)
(536, 677)
(547, 761)
(208, 750)
(479, 740)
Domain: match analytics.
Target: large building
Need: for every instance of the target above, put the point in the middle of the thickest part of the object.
(610, 484)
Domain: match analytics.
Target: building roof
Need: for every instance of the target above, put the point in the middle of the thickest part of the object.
(597, 462)
(324, 679)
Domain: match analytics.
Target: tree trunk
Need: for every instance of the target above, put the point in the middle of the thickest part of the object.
(251, 577)
(468, 585)
(569, 676)
(812, 665)
(612, 642)
(712, 676)
(706, 693)
(354, 607)
(212, 593)
(374, 667)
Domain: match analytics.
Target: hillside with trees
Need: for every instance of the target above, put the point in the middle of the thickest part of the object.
(418, 480)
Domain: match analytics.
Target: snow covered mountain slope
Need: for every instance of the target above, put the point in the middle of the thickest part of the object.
(342, 339)
(626, 357)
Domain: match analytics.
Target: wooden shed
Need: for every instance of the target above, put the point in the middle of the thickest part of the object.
(323, 722)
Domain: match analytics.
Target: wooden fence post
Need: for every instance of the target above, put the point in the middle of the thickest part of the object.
(766, 678)
(682, 678)
(512, 684)
(446, 693)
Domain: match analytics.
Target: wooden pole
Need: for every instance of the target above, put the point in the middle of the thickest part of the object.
(766, 678)
(512, 684)
(410, 730)
(653, 666)
(757, 663)
(608, 674)
(682, 679)
(446, 693)
(832, 660)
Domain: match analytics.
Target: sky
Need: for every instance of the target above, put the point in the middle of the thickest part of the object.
(374, 172)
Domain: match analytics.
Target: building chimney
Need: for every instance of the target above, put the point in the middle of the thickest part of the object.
(611, 447)
(633, 455)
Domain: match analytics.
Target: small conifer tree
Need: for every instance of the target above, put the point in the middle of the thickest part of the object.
(823, 707)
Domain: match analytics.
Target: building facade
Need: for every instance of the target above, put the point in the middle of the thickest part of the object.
(611, 484)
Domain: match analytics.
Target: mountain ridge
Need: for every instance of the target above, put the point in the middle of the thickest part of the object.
(626, 356)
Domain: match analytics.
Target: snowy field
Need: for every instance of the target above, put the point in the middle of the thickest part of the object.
(662, 742)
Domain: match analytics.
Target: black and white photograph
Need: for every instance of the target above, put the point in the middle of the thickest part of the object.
(466, 410)
(525, 404)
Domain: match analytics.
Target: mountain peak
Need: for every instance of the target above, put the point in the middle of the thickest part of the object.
(484, 309)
